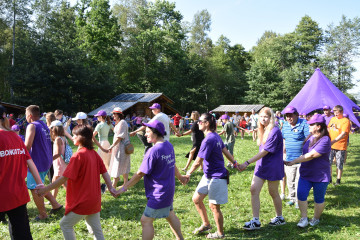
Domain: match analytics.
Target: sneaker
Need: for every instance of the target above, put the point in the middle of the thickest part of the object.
(252, 225)
(290, 203)
(282, 196)
(314, 222)
(277, 221)
(103, 188)
(303, 222)
(296, 205)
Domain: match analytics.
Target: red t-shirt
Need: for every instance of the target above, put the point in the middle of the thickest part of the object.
(243, 124)
(83, 194)
(13, 171)
(12, 122)
(176, 119)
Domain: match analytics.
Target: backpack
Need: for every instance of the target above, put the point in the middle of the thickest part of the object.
(68, 152)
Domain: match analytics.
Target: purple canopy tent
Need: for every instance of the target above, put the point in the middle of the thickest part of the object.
(320, 91)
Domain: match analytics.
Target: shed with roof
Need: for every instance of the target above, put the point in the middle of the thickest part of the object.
(13, 108)
(137, 103)
(232, 109)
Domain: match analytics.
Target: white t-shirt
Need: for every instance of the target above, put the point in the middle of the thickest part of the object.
(162, 117)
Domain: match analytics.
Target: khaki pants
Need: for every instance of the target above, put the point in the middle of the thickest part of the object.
(92, 222)
(292, 180)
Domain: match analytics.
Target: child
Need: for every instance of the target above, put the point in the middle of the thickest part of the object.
(16, 129)
(57, 134)
(83, 195)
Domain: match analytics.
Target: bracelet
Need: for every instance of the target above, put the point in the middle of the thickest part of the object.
(124, 189)
(235, 164)
(247, 162)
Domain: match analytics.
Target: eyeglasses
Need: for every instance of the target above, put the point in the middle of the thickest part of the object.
(202, 121)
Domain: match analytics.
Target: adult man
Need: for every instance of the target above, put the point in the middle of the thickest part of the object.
(38, 143)
(327, 114)
(253, 119)
(339, 129)
(162, 117)
(294, 132)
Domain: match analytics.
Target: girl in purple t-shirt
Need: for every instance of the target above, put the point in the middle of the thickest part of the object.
(314, 170)
(269, 166)
(159, 170)
(215, 178)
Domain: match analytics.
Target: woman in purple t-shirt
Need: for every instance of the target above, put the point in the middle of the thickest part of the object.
(314, 170)
(269, 166)
(215, 178)
(159, 170)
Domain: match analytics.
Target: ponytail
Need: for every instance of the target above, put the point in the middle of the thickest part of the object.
(212, 121)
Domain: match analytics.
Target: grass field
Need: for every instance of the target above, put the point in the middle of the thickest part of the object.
(120, 218)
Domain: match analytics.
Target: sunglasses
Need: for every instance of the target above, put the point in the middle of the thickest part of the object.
(202, 121)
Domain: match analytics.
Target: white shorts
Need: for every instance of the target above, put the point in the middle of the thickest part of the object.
(216, 189)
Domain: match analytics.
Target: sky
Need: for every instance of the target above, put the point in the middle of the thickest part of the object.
(244, 21)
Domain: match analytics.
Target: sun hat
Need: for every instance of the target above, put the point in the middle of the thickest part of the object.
(100, 113)
(55, 123)
(155, 106)
(80, 115)
(224, 116)
(326, 107)
(15, 127)
(157, 125)
(316, 118)
(290, 109)
(117, 110)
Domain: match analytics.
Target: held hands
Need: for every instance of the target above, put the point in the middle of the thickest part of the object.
(113, 192)
(184, 179)
(289, 163)
(178, 134)
(242, 167)
(104, 150)
(132, 134)
(40, 190)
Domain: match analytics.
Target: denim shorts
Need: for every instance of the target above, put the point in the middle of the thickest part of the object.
(157, 213)
(30, 182)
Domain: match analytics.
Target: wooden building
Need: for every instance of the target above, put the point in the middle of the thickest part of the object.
(232, 109)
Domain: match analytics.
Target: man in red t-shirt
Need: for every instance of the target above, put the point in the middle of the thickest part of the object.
(14, 161)
(177, 118)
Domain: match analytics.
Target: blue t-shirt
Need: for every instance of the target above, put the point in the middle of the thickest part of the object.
(159, 166)
(271, 167)
(294, 138)
(211, 151)
(317, 169)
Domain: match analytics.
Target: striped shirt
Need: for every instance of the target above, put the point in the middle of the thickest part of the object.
(294, 138)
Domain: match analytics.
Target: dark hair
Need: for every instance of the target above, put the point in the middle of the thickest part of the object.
(120, 115)
(154, 130)
(2, 111)
(86, 135)
(58, 112)
(84, 122)
(211, 119)
(323, 132)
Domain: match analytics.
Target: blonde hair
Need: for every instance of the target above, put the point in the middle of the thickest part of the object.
(50, 117)
(263, 132)
(195, 115)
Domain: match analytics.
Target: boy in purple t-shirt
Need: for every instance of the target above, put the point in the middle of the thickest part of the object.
(159, 170)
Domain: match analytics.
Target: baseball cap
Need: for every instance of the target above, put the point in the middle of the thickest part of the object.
(117, 110)
(290, 109)
(157, 125)
(15, 127)
(80, 115)
(155, 105)
(55, 123)
(326, 107)
(224, 116)
(316, 118)
(100, 113)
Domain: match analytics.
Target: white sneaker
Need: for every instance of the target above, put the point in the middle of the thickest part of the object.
(314, 222)
(282, 196)
(303, 222)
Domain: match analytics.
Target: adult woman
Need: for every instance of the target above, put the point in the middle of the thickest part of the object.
(196, 136)
(269, 166)
(103, 129)
(314, 170)
(57, 134)
(120, 161)
(215, 178)
(15, 196)
(159, 170)
(81, 120)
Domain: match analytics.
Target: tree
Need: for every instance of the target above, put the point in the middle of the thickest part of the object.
(199, 40)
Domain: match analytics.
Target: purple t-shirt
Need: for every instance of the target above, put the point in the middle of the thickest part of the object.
(41, 152)
(211, 152)
(159, 166)
(327, 119)
(271, 167)
(317, 169)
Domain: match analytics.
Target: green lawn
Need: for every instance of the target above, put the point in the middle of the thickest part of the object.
(120, 218)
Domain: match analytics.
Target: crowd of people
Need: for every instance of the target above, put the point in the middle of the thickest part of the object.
(298, 149)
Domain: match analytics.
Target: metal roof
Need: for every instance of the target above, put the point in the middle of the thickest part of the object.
(237, 108)
(127, 100)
